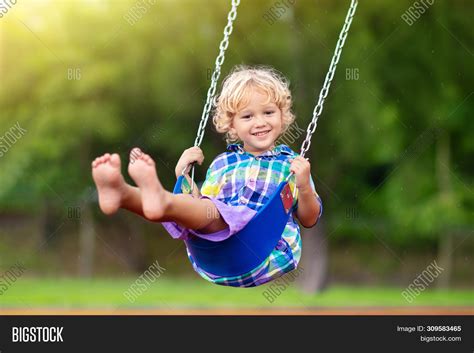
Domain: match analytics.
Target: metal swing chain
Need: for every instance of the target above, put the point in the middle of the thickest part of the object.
(329, 76)
(322, 95)
(214, 79)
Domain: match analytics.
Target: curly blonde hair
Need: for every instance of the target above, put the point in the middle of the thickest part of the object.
(235, 95)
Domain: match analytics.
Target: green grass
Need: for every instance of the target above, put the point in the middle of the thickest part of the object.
(165, 293)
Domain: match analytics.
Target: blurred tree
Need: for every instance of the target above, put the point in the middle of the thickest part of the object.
(391, 155)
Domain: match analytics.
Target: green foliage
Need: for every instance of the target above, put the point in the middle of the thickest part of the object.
(83, 81)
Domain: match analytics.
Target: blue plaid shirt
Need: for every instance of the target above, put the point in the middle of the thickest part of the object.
(239, 178)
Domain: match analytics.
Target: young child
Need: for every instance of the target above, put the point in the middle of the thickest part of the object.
(253, 110)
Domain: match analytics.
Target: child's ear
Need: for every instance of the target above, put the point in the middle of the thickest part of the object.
(233, 133)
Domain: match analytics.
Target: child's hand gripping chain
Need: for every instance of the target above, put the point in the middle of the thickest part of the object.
(189, 156)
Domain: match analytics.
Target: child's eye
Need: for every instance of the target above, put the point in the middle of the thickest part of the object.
(269, 112)
(245, 117)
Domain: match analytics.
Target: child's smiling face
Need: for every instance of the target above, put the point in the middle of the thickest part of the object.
(259, 124)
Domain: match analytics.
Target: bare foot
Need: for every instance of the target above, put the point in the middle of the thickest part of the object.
(142, 169)
(109, 181)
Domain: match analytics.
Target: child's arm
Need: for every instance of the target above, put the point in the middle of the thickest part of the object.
(190, 155)
(308, 206)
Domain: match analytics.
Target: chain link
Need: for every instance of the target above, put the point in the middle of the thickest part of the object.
(318, 109)
(322, 95)
(215, 78)
(217, 72)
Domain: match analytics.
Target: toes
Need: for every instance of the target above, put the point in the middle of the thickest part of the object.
(115, 160)
(148, 159)
(135, 153)
(107, 157)
(96, 162)
(143, 157)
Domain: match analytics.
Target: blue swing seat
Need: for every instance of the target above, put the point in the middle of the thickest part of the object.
(245, 250)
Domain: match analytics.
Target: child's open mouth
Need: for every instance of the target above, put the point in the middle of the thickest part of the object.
(263, 133)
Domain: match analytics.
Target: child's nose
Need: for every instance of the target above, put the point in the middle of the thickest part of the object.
(259, 121)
